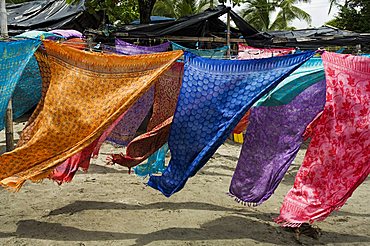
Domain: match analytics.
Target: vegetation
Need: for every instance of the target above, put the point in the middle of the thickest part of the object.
(258, 13)
(354, 15)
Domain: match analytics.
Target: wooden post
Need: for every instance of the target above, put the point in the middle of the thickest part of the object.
(228, 35)
(9, 111)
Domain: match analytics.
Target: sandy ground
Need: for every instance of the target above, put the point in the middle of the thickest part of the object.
(107, 206)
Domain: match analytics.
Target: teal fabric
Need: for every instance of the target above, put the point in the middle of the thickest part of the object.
(211, 53)
(27, 93)
(14, 57)
(308, 74)
(155, 163)
(37, 35)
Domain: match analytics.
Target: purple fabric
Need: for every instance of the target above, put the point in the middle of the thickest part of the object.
(271, 143)
(126, 128)
(131, 49)
(67, 33)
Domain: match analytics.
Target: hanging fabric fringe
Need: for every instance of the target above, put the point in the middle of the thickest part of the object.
(96, 90)
(337, 159)
(214, 96)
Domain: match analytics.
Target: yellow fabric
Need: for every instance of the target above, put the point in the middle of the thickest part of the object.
(87, 92)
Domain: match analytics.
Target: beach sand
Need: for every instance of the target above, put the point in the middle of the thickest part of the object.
(107, 206)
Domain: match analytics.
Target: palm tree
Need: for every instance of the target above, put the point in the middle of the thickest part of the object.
(177, 9)
(258, 13)
(288, 12)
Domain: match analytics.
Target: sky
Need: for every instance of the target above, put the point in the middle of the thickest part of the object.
(318, 9)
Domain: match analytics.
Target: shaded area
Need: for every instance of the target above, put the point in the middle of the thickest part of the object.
(79, 206)
(235, 226)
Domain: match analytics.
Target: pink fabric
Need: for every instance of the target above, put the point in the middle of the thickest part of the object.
(129, 121)
(248, 52)
(338, 158)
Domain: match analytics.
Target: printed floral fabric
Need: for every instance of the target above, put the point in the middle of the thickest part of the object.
(247, 52)
(337, 160)
(67, 124)
(214, 96)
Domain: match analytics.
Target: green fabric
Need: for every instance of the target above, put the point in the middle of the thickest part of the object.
(308, 74)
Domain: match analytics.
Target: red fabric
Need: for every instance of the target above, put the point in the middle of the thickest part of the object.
(241, 127)
(167, 90)
(144, 145)
(66, 171)
(337, 160)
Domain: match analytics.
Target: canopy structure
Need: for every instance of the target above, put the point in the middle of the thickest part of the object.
(49, 14)
(309, 38)
(205, 24)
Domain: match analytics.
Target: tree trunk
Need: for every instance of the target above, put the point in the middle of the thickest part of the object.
(3, 19)
(145, 10)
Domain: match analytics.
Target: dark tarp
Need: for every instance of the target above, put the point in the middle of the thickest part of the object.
(309, 38)
(204, 24)
(47, 15)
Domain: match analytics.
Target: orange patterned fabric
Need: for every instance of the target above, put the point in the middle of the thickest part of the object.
(28, 130)
(87, 93)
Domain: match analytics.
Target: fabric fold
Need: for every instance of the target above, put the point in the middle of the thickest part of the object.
(15, 55)
(167, 89)
(271, 143)
(66, 125)
(246, 52)
(337, 159)
(214, 96)
(155, 163)
(217, 53)
(125, 48)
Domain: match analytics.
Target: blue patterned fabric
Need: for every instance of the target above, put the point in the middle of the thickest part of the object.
(211, 53)
(155, 163)
(214, 96)
(27, 93)
(14, 57)
(306, 75)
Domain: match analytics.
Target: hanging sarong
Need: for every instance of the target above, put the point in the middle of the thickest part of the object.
(87, 93)
(155, 163)
(44, 68)
(27, 93)
(214, 96)
(271, 143)
(306, 75)
(14, 57)
(247, 52)
(217, 53)
(337, 159)
(167, 89)
(67, 34)
(121, 132)
(125, 130)
(131, 49)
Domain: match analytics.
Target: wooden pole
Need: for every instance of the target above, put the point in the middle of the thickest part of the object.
(9, 111)
(228, 35)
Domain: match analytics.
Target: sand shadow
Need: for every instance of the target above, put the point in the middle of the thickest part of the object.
(57, 232)
(231, 158)
(224, 228)
(79, 206)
